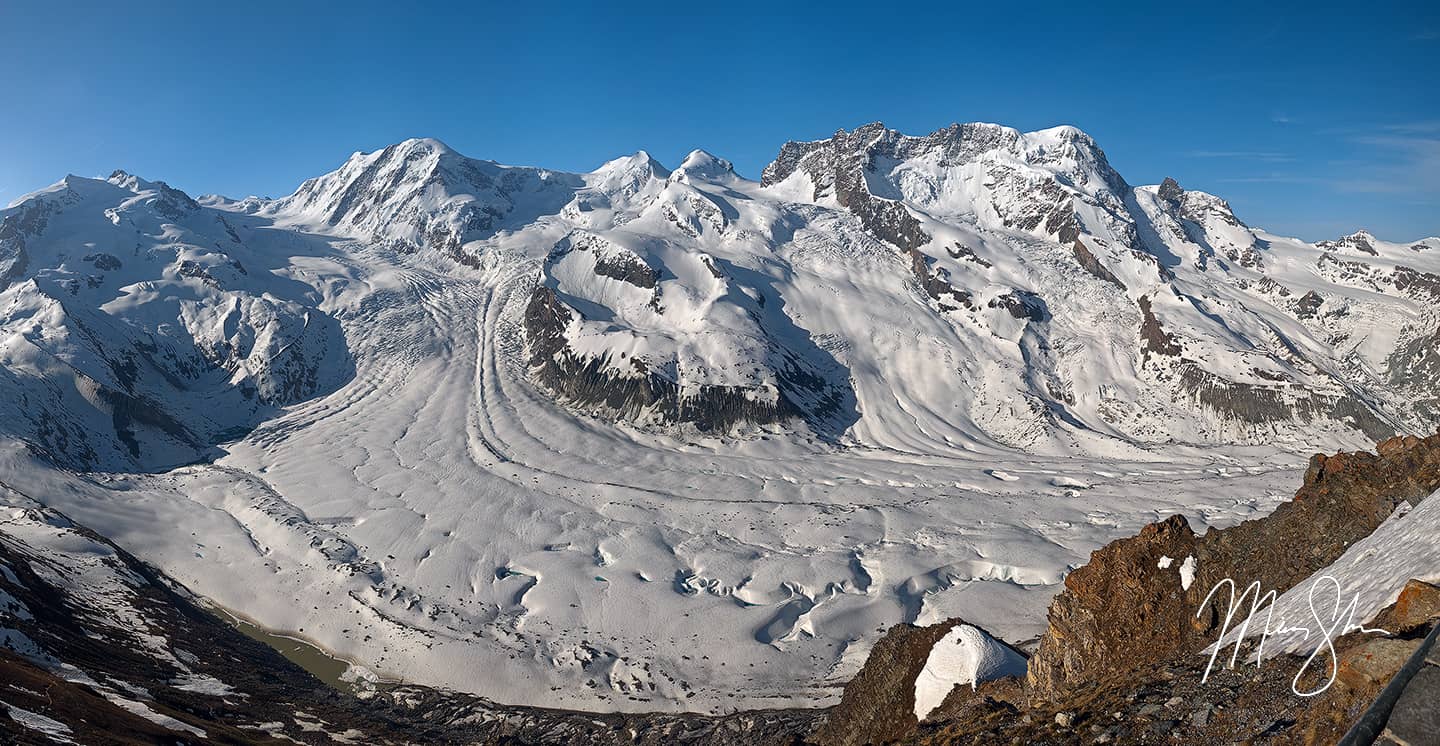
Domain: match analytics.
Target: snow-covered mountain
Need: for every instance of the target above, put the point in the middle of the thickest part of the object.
(140, 327)
(550, 419)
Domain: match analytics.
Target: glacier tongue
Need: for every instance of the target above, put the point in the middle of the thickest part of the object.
(608, 439)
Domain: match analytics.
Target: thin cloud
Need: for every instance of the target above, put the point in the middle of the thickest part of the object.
(1401, 158)
(1252, 155)
(1280, 119)
(1428, 126)
(1426, 35)
(1272, 179)
(1405, 163)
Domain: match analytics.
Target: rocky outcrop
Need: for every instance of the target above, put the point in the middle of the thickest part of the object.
(1259, 404)
(1153, 337)
(1308, 305)
(1418, 604)
(878, 705)
(1360, 242)
(627, 269)
(1090, 263)
(1135, 602)
(642, 393)
(935, 284)
(1022, 304)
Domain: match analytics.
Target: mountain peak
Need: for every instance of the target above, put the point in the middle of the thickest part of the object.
(640, 160)
(1068, 132)
(1171, 192)
(129, 181)
(424, 145)
(630, 174)
(705, 165)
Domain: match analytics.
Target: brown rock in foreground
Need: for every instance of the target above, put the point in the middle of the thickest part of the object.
(878, 705)
(1129, 607)
(1418, 604)
(1167, 702)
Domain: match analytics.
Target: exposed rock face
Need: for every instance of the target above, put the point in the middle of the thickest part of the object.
(1260, 404)
(1308, 305)
(1418, 604)
(1152, 335)
(1171, 192)
(879, 703)
(935, 284)
(1091, 264)
(1023, 304)
(1129, 607)
(29, 220)
(633, 271)
(849, 166)
(644, 394)
(1361, 242)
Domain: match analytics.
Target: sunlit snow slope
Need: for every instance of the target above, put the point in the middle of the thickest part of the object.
(643, 438)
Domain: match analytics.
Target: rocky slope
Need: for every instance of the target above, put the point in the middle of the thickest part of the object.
(1127, 655)
(1123, 608)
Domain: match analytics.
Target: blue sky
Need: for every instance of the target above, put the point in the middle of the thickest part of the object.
(1312, 121)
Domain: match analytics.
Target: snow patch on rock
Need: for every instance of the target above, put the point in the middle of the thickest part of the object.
(965, 655)
(1187, 573)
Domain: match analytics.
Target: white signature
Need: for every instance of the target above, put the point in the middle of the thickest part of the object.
(1340, 621)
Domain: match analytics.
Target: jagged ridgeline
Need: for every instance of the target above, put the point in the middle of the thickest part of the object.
(974, 284)
(141, 326)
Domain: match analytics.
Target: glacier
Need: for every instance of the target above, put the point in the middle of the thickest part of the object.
(644, 438)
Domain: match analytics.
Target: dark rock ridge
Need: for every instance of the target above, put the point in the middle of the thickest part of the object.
(1152, 335)
(1022, 304)
(647, 394)
(1259, 404)
(1090, 263)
